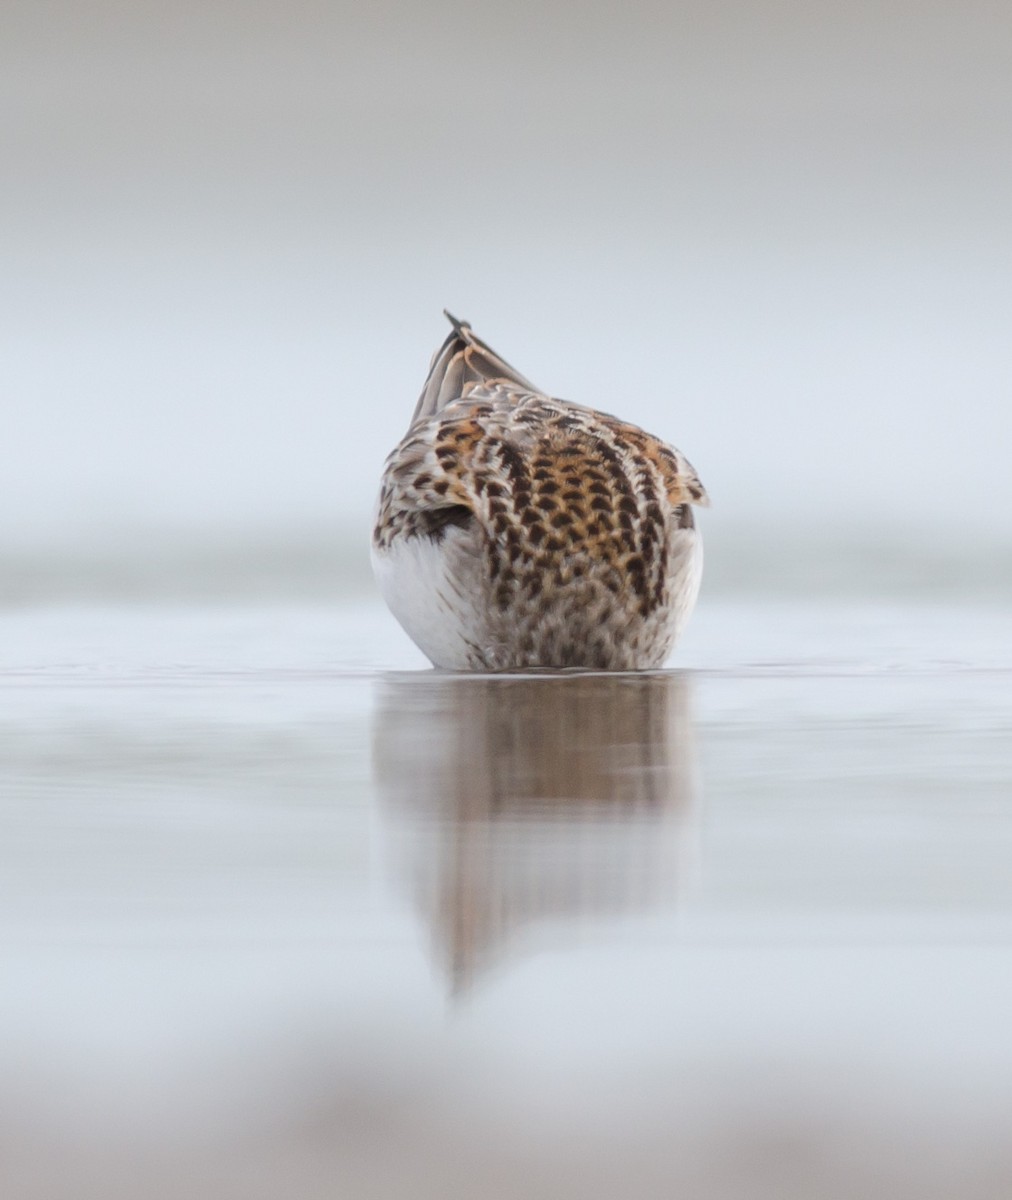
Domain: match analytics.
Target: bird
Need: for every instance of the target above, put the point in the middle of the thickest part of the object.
(515, 531)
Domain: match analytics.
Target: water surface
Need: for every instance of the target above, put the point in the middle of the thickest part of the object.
(285, 912)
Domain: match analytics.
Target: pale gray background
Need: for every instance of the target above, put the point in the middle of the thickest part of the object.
(777, 234)
(235, 836)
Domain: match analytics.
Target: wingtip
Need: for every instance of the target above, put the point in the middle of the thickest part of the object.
(458, 325)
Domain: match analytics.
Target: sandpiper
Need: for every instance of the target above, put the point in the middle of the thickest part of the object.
(517, 531)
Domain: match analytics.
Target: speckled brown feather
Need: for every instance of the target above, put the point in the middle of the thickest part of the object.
(569, 528)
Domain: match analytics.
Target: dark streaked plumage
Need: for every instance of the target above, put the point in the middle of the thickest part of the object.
(515, 530)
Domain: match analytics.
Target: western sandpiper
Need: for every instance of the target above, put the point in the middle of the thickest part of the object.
(515, 530)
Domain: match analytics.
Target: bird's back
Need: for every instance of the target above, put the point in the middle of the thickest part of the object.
(516, 530)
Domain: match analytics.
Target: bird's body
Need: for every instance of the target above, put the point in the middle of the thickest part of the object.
(515, 530)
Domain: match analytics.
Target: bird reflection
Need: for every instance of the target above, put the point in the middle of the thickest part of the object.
(534, 803)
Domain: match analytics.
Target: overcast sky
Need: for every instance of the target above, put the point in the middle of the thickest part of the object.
(777, 234)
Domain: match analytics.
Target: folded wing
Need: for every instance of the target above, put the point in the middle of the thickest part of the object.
(462, 362)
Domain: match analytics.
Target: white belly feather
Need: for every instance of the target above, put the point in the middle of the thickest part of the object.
(423, 586)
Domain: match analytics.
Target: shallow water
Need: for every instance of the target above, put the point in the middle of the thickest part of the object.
(283, 912)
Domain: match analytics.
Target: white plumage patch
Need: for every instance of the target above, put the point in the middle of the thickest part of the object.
(428, 598)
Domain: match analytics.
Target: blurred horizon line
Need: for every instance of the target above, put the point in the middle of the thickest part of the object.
(329, 562)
